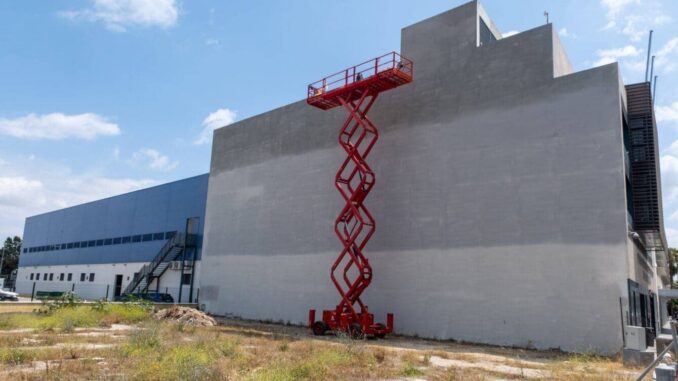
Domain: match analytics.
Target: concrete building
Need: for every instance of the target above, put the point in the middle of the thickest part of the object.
(95, 249)
(517, 203)
(508, 192)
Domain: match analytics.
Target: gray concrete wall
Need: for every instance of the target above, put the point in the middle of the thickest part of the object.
(499, 199)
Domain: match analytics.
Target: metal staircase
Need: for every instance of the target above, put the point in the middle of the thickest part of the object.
(157, 267)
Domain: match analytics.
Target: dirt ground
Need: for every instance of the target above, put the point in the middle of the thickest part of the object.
(149, 349)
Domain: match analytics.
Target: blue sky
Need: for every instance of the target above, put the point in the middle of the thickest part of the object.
(100, 97)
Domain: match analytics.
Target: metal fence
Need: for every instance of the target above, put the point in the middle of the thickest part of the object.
(97, 291)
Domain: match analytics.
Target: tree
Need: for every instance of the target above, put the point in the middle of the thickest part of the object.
(11, 251)
(673, 266)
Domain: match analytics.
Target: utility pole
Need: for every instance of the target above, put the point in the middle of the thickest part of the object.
(546, 14)
(649, 50)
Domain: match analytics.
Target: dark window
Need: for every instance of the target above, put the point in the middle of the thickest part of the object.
(76, 245)
(100, 242)
(25, 250)
(91, 243)
(82, 277)
(147, 237)
(63, 246)
(51, 276)
(44, 277)
(91, 277)
(37, 276)
(61, 277)
(83, 244)
(69, 246)
(56, 247)
(31, 276)
(70, 277)
(117, 241)
(108, 241)
(186, 279)
(158, 236)
(136, 238)
(127, 239)
(169, 235)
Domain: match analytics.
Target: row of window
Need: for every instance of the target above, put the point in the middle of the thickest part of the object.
(103, 242)
(69, 278)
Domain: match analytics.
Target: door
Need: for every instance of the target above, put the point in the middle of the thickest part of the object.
(118, 285)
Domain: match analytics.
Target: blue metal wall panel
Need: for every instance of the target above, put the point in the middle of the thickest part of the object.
(162, 208)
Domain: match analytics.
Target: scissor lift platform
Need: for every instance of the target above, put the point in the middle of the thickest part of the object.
(356, 89)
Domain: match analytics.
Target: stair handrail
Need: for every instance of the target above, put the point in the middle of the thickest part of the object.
(179, 239)
(673, 343)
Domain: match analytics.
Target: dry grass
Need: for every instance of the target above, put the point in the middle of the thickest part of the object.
(260, 352)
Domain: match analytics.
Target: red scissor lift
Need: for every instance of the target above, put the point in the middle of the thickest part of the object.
(356, 89)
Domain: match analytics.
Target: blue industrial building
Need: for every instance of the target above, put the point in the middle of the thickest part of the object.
(97, 248)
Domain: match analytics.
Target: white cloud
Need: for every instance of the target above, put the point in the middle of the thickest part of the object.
(634, 18)
(152, 159)
(667, 56)
(118, 15)
(220, 118)
(563, 32)
(509, 33)
(116, 153)
(607, 56)
(668, 114)
(32, 187)
(57, 126)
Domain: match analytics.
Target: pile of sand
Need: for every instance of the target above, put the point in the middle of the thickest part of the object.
(185, 315)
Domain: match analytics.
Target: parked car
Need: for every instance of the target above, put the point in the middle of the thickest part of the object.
(8, 295)
(155, 297)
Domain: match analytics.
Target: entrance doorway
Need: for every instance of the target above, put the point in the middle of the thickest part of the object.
(118, 285)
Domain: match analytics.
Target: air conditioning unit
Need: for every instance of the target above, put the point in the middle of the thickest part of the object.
(635, 337)
(176, 265)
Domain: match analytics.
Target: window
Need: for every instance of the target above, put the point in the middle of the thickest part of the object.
(186, 279)
(100, 242)
(147, 237)
(70, 277)
(169, 235)
(69, 245)
(136, 238)
(61, 277)
(44, 277)
(37, 276)
(91, 243)
(82, 277)
(57, 247)
(76, 245)
(63, 246)
(117, 241)
(108, 241)
(83, 244)
(25, 250)
(31, 276)
(127, 239)
(158, 236)
(51, 276)
(91, 277)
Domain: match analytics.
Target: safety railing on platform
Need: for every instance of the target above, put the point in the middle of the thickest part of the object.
(360, 72)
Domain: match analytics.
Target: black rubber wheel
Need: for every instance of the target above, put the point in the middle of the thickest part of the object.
(319, 328)
(355, 331)
(380, 335)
